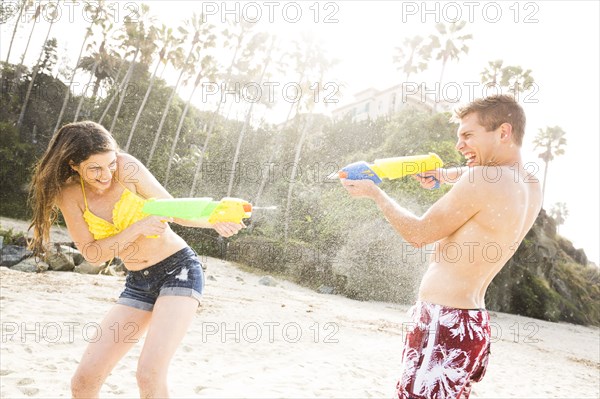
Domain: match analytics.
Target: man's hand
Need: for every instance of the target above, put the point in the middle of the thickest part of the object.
(361, 188)
(428, 179)
(227, 229)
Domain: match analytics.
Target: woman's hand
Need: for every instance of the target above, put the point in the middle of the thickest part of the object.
(151, 226)
(228, 229)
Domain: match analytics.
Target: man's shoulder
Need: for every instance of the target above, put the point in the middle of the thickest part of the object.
(494, 176)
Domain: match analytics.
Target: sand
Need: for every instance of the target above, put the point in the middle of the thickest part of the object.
(257, 341)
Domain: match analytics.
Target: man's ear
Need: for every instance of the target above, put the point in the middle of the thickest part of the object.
(505, 132)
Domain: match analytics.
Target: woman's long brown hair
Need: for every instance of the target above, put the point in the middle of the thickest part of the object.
(74, 143)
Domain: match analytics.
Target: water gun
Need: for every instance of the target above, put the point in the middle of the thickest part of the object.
(391, 168)
(226, 210)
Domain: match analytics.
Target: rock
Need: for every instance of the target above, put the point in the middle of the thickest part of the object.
(59, 261)
(268, 281)
(110, 270)
(325, 289)
(578, 255)
(87, 268)
(115, 267)
(238, 278)
(211, 278)
(73, 253)
(13, 254)
(119, 266)
(31, 265)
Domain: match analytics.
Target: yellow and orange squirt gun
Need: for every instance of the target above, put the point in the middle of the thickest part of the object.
(391, 168)
(226, 210)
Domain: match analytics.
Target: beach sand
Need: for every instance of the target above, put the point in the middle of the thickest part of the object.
(257, 341)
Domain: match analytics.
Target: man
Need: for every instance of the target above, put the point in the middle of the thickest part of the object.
(475, 229)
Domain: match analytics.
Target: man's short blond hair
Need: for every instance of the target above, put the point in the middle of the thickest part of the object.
(495, 110)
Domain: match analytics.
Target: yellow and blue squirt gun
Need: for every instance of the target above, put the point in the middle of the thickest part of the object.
(391, 168)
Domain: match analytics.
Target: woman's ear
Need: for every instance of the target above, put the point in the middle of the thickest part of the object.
(73, 166)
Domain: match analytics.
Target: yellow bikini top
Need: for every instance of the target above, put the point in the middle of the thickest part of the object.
(126, 211)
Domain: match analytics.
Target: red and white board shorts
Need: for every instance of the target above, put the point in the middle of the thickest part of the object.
(445, 351)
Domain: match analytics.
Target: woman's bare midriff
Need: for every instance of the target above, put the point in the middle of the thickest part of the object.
(145, 252)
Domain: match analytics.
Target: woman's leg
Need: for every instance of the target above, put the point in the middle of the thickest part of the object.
(171, 318)
(120, 329)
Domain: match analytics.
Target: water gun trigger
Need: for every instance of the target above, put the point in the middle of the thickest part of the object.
(437, 182)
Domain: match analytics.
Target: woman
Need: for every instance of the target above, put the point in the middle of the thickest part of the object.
(100, 192)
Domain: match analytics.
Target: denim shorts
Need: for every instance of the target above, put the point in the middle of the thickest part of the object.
(180, 274)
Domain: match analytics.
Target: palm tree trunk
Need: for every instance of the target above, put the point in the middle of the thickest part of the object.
(79, 106)
(12, 38)
(179, 127)
(141, 109)
(213, 120)
(246, 122)
(278, 142)
(272, 155)
(168, 106)
(34, 75)
(68, 91)
(124, 92)
(119, 89)
(19, 69)
(307, 125)
(544, 183)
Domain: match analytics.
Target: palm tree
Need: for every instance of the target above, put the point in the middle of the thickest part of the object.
(97, 10)
(284, 65)
(54, 16)
(207, 70)
(134, 39)
(101, 66)
(516, 79)
(512, 77)
(130, 41)
(243, 30)
(140, 36)
(253, 46)
(312, 62)
(451, 45)
(493, 73)
(24, 4)
(19, 69)
(412, 57)
(201, 28)
(168, 40)
(551, 142)
(559, 213)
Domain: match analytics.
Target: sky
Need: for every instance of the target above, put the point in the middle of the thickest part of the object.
(557, 40)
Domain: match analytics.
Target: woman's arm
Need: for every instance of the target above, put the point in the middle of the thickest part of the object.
(95, 251)
(132, 171)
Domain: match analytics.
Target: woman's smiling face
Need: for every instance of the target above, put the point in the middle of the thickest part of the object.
(98, 169)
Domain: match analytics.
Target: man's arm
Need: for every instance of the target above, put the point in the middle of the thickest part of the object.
(443, 175)
(444, 217)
